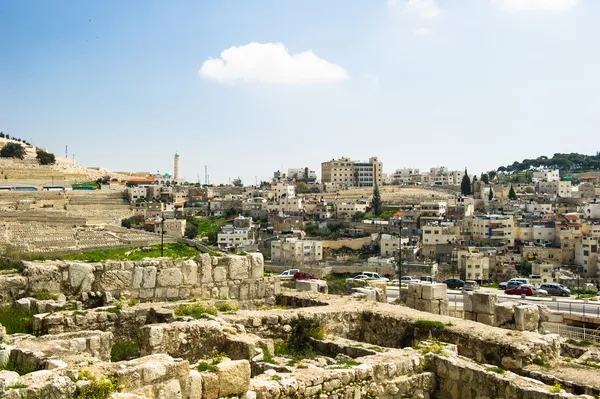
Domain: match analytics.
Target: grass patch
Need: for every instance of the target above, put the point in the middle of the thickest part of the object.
(209, 363)
(496, 370)
(267, 357)
(124, 350)
(115, 310)
(16, 386)
(175, 250)
(276, 377)
(430, 324)
(195, 310)
(98, 389)
(579, 343)
(345, 364)
(45, 296)
(227, 307)
(9, 365)
(16, 320)
(542, 361)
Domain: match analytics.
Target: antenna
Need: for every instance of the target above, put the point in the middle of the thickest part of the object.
(206, 175)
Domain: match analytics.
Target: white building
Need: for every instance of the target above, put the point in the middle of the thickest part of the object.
(495, 228)
(296, 251)
(284, 190)
(389, 244)
(302, 174)
(546, 176)
(286, 205)
(239, 234)
(439, 235)
(591, 210)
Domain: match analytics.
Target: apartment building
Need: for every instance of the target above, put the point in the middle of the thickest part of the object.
(432, 211)
(302, 174)
(586, 255)
(472, 264)
(349, 209)
(494, 228)
(349, 173)
(541, 273)
(239, 234)
(284, 190)
(536, 233)
(389, 244)
(559, 188)
(546, 176)
(591, 210)
(295, 251)
(286, 205)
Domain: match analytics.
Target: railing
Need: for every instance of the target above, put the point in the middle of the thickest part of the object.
(576, 333)
(582, 308)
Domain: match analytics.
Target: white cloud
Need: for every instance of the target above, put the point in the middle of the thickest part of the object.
(427, 9)
(270, 63)
(423, 32)
(536, 5)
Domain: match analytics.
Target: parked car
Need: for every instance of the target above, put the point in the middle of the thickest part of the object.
(305, 276)
(288, 274)
(556, 289)
(525, 289)
(513, 284)
(470, 285)
(454, 283)
(407, 280)
(368, 276)
(504, 285)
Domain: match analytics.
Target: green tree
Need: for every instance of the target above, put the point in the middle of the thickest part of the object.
(492, 174)
(491, 194)
(376, 201)
(358, 216)
(301, 187)
(13, 150)
(485, 178)
(465, 184)
(237, 182)
(511, 193)
(191, 230)
(231, 212)
(1, 135)
(45, 158)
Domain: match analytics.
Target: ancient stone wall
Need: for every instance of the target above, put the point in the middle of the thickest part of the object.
(235, 277)
(431, 298)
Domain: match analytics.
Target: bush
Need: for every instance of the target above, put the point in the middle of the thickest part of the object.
(98, 389)
(124, 350)
(44, 295)
(13, 150)
(430, 324)
(45, 158)
(302, 331)
(226, 307)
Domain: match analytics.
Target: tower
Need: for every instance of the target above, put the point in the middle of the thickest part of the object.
(176, 166)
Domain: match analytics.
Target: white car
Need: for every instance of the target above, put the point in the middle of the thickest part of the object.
(368, 276)
(288, 274)
(406, 280)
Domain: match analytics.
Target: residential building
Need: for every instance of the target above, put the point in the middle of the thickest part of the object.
(284, 190)
(349, 209)
(541, 273)
(536, 233)
(591, 210)
(432, 211)
(435, 234)
(237, 235)
(295, 251)
(546, 176)
(586, 256)
(498, 229)
(389, 244)
(561, 189)
(404, 176)
(348, 173)
(172, 227)
(286, 205)
(472, 264)
(302, 174)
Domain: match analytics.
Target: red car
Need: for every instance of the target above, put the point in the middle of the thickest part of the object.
(522, 289)
(305, 276)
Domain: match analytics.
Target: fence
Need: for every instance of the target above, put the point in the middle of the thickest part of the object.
(576, 333)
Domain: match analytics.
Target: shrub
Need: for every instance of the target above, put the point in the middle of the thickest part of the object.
(267, 357)
(226, 307)
(13, 150)
(45, 158)
(124, 350)
(209, 363)
(556, 388)
(16, 320)
(497, 370)
(302, 331)
(98, 389)
(196, 310)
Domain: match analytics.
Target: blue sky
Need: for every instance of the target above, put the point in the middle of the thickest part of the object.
(418, 83)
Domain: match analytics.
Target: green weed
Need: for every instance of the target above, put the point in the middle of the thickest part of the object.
(16, 320)
(430, 324)
(196, 310)
(124, 350)
(44, 295)
(556, 388)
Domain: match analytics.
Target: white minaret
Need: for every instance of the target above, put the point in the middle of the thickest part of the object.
(176, 166)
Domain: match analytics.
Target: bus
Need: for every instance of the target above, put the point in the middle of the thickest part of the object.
(25, 188)
(84, 188)
(53, 188)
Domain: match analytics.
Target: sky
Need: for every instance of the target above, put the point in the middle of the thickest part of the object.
(250, 87)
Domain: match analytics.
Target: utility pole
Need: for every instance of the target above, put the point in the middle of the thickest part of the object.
(162, 235)
(400, 259)
(66, 153)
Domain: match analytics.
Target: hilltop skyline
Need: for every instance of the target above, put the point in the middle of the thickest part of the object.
(251, 88)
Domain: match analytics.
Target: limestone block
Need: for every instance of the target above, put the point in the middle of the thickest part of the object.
(434, 291)
(210, 386)
(527, 317)
(467, 301)
(238, 267)
(194, 385)
(425, 305)
(169, 277)
(149, 277)
(307, 285)
(415, 290)
(410, 302)
(243, 292)
(470, 316)
(443, 304)
(170, 390)
(138, 273)
(113, 280)
(219, 274)
(504, 314)
(484, 303)
(234, 377)
(190, 272)
(545, 313)
(81, 276)
(23, 304)
(257, 265)
(204, 267)
(485, 319)
(277, 287)
(44, 276)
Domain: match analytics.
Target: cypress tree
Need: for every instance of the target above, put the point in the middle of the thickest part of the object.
(465, 184)
(376, 201)
(511, 194)
(491, 194)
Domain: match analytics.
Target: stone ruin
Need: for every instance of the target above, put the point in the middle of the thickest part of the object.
(216, 327)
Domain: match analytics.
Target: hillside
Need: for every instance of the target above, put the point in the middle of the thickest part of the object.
(28, 171)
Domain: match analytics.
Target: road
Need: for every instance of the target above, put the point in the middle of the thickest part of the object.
(564, 305)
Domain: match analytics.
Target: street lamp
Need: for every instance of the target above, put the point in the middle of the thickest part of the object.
(399, 216)
(162, 235)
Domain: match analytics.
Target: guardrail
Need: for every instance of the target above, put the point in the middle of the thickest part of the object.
(576, 333)
(582, 308)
